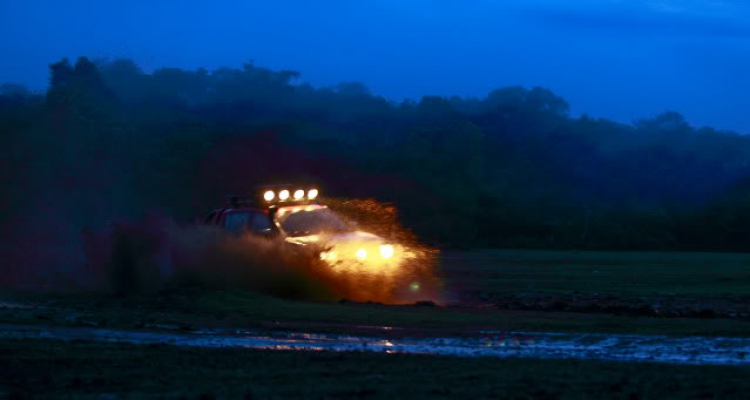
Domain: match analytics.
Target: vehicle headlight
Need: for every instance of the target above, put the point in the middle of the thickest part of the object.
(269, 195)
(298, 194)
(386, 251)
(312, 193)
(361, 254)
(283, 195)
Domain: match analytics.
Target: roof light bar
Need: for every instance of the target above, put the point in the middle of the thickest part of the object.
(283, 195)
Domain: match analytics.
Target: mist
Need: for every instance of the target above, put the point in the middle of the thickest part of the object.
(617, 60)
(550, 197)
(482, 125)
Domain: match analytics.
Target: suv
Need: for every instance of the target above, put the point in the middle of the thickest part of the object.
(261, 215)
(295, 215)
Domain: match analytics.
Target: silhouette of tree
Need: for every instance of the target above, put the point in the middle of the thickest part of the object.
(512, 168)
(60, 73)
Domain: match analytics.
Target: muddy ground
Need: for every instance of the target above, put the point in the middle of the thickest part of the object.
(44, 369)
(187, 310)
(677, 295)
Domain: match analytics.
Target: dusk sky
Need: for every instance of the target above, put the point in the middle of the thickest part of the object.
(621, 60)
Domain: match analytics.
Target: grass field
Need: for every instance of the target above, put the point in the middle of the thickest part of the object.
(486, 290)
(682, 275)
(480, 283)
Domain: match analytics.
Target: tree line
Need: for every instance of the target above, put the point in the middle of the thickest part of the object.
(512, 169)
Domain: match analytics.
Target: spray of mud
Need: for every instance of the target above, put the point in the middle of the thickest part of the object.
(157, 254)
(413, 278)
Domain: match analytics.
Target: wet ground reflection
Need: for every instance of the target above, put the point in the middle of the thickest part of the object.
(608, 347)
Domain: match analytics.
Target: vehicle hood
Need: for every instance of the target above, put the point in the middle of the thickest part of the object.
(342, 238)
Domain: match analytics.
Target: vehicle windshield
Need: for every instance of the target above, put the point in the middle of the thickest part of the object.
(315, 222)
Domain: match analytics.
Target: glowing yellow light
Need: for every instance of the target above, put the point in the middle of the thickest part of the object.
(298, 194)
(283, 195)
(328, 255)
(414, 286)
(269, 195)
(386, 251)
(361, 254)
(312, 193)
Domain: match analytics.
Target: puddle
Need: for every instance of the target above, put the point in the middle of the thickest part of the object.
(624, 348)
(13, 305)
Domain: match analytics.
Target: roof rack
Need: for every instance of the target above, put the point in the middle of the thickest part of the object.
(241, 200)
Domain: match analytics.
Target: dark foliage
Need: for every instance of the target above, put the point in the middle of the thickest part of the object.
(109, 142)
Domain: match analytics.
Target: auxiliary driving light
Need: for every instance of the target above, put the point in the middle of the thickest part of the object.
(386, 251)
(361, 254)
(283, 194)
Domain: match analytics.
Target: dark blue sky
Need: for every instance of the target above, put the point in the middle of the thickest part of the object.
(619, 59)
